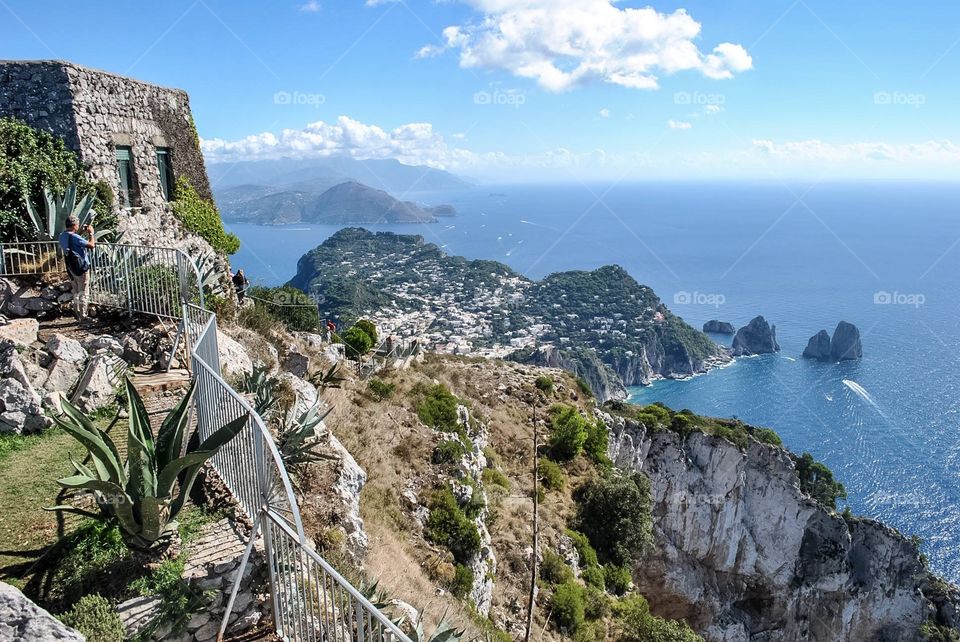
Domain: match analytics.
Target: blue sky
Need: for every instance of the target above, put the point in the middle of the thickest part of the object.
(538, 89)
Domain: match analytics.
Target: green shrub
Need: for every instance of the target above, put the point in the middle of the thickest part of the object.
(553, 568)
(368, 327)
(92, 551)
(595, 446)
(462, 582)
(357, 341)
(594, 576)
(494, 477)
(292, 307)
(596, 604)
(637, 624)
(817, 481)
(567, 608)
(31, 159)
(551, 475)
(614, 513)
(258, 319)
(588, 556)
(380, 389)
(568, 432)
(767, 436)
(96, 619)
(544, 384)
(438, 409)
(447, 525)
(584, 387)
(450, 451)
(617, 578)
(930, 631)
(156, 287)
(201, 217)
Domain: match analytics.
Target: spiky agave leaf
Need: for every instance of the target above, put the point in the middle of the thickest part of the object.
(173, 430)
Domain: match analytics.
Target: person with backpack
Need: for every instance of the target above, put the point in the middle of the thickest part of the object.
(75, 251)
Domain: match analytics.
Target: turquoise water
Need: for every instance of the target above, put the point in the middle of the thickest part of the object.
(738, 250)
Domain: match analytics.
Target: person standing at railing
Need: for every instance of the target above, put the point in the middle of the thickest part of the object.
(76, 252)
(240, 284)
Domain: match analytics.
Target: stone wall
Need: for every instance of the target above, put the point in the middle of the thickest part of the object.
(94, 111)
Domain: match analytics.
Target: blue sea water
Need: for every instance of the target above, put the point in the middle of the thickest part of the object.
(803, 255)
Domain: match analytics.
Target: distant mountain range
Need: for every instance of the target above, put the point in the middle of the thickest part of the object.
(328, 190)
(386, 174)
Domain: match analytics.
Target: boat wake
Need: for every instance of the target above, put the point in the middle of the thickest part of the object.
(861, 392)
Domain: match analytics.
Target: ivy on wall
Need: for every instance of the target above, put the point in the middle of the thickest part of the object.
(201, 217)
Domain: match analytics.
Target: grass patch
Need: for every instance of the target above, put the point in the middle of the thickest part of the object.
(29, 468)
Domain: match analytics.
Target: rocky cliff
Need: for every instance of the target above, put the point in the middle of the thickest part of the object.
(744, 555)
(719, 327)
(843, 346)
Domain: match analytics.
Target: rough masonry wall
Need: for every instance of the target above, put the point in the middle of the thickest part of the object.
(94, 111)
(39, 94)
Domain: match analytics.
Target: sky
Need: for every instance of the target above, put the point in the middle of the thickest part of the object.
(534, 90)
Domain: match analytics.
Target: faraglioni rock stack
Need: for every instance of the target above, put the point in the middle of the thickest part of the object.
(757, 337)
(843, 346)
(719, 327)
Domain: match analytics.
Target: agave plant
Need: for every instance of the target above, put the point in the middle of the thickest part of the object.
(211, 278)
(324, 379)
(295, 437)
(263, 387)
(443, 633)
(58, 207)
(145, 493)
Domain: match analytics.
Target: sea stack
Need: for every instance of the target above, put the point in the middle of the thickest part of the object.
(757, 337)
(718, 327)
(845, 344)
(818, 347)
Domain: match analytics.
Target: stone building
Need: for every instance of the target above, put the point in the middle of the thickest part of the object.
(136, 137)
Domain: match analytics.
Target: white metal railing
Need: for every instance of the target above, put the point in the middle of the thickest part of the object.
(134, 278)
(311, 601)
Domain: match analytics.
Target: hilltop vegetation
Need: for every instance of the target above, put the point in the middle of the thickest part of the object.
(602, 324)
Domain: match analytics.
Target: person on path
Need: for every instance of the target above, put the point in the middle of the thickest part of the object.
(76, 252)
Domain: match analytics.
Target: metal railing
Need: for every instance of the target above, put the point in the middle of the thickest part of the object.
(314, 602)
(135, 278)
(311, 601)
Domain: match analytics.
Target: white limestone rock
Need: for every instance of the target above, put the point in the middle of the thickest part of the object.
(21, 619)
(66, 349)
(745, 556)
(22, 332)
(233, 357)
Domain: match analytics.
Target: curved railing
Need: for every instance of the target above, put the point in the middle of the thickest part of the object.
(249, 464)
(311, 601)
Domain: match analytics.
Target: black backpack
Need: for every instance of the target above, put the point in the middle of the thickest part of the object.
(76, 265)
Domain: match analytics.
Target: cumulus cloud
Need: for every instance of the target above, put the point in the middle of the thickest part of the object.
(604, 113)
(311, 6)
(567, 43)
(679, 124)
(413, 143)
(933, 151)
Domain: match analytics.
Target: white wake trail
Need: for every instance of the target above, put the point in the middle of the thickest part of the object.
(861, 392)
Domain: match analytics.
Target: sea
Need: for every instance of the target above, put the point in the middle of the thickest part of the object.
(882, 255)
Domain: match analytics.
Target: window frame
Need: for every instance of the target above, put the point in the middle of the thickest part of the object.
(165, 173)
(125, 170)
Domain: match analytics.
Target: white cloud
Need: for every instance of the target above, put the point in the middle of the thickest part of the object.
(679, 124)
(712, 109)
(377, 3)
(567, 43)
(413, 143)
(604, 113)
(311, 6)
(933, 151)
